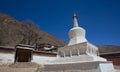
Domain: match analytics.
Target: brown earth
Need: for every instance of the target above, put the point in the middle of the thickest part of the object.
(14, 32)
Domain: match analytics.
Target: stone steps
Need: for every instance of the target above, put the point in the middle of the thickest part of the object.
(21, 67)
(9, 69)
(24, 65)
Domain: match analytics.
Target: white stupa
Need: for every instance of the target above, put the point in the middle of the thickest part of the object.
(79, 55)
(76, 34)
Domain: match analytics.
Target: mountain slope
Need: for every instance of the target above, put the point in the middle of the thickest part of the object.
(108, 49)
(13, 32)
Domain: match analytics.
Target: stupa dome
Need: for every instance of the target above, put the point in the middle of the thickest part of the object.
(76, 34)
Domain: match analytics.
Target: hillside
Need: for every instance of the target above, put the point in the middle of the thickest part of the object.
(108, 49)
(14, 32)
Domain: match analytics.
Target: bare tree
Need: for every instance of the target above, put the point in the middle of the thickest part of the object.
(30, 33)
(0, 35)
(3, 33)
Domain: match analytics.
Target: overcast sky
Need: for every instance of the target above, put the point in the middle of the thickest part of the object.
(100, 18)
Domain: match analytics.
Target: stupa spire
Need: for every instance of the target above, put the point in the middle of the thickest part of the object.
(75, 20)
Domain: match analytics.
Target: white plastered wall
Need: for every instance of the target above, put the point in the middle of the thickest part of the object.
(6, 58)
(42, 59)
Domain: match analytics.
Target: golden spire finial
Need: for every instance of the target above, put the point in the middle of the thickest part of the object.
(75, 20)
(74, 15)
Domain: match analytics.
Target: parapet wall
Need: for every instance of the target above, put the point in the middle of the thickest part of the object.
(80, 67)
